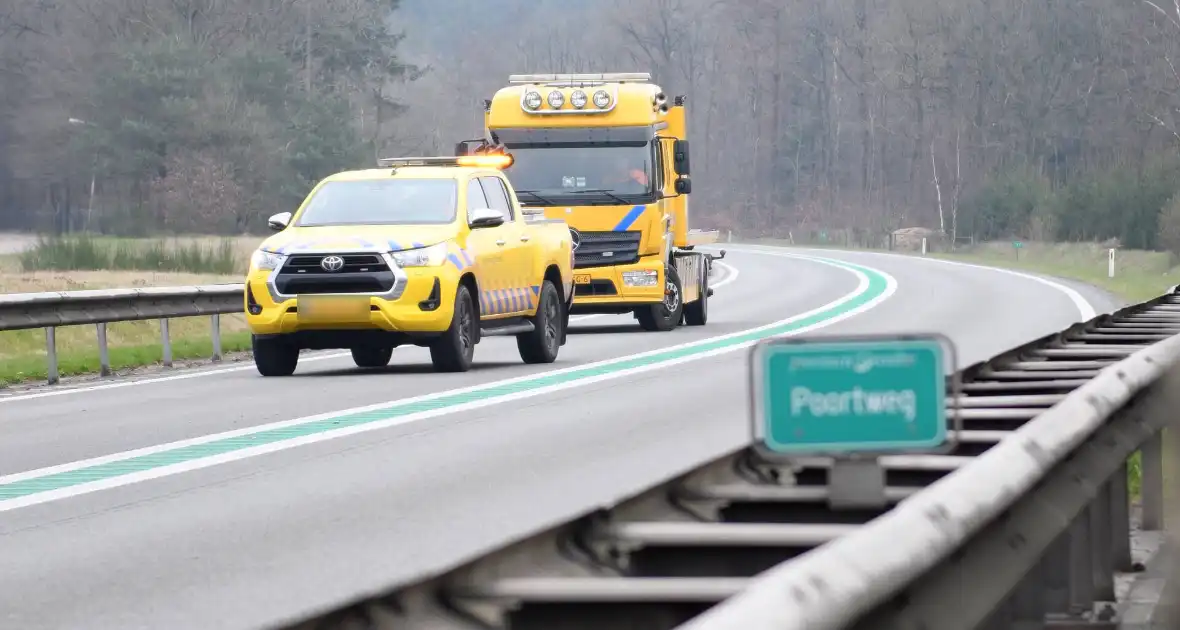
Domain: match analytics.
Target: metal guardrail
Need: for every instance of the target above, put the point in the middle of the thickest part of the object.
(1026, 521)
(20, 311)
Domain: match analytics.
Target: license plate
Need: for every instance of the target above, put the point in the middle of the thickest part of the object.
(335, 309)
(582, 278)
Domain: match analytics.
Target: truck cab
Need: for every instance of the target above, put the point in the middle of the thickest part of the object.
(608, 154)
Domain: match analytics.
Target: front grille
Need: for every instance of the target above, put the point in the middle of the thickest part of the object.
(353, 263)
(361, 273)
(595, 288)
(600, 249)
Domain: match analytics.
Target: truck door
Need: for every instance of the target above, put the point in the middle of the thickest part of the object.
(518, 262)
(487, 246)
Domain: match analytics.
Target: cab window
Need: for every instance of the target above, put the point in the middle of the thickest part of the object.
(475, 198)
(497, 197)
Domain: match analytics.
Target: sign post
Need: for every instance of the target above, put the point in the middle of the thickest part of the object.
(1110, 263)
(853, 399)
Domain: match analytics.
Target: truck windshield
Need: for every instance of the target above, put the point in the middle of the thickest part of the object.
(382, 202)
(585, 174)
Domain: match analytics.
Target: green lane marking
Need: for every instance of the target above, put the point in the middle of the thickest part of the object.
(877, 286)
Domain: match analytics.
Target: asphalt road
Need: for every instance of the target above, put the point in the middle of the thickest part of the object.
(299, 518)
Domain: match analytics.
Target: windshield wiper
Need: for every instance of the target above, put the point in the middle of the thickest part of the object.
(534, 195)
(604, 191)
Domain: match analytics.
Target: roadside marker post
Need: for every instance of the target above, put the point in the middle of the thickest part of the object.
(854, 399)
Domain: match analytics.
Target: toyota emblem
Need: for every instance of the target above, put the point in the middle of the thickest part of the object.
(575, 238)
(332, 263)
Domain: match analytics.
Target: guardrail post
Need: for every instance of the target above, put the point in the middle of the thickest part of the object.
(1102, 557)
(216, 337)
(51, 355)
(1027, 601)
(1120, 521)
(1056, 575)
(1081, 565)
(104, 356)
(1152, 488)
(166, 342)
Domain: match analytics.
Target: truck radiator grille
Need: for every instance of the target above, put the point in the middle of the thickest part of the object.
(361, 273)
(595, 288)
(600, 249)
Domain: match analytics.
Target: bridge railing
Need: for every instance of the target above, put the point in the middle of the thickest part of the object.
(1028, 520)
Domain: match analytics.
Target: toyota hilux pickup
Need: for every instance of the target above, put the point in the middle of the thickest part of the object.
(434, 252)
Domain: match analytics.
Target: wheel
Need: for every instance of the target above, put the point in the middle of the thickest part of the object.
(372, 356)
(453, 351)
(541, 345)
(697, 313)
(274, 356)
(665, 315)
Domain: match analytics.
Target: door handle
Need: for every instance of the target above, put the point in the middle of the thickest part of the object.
(500, 242)
(524, 239)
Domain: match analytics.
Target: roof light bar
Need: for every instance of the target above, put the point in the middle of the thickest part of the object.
(489, 160)
(596, 77)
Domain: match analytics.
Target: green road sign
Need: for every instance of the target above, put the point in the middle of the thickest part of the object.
(839, 396)
(1017, 244)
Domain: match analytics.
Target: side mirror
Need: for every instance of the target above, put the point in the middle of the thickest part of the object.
(278, 222)
(680, 157)
(486, 218)
(683, 186)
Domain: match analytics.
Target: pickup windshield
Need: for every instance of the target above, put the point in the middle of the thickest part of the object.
(582, 174)
(382, 202)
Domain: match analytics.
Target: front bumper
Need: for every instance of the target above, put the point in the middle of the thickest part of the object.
(421, 300)
(619, 288)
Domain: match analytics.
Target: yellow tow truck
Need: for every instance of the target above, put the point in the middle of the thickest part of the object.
(608, 154)
(433, 251)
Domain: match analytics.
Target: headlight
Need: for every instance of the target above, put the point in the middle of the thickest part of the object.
(556, 99)
(432, 256)
(644, 278)
(266, 261)
(532, 100)
(578, 99)
(601, 99)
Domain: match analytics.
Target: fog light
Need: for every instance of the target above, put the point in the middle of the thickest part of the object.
(641, 278)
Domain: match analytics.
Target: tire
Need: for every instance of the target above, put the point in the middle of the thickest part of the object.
(542, 344)
(372, 356)
(455, 349)
(697, 313)
(274, 356)
(667, 314)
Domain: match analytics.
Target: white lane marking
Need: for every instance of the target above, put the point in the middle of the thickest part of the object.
(1083, 306)
(731, 275)
(245, 453)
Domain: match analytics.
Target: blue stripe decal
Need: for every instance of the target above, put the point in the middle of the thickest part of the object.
(416, 245)
(516, 300)
(393, 246)
(455, 261)
(536, 289)
(466, 257)
(629, 218)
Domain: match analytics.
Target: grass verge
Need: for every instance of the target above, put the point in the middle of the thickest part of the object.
(86, 252)
(1139, 275)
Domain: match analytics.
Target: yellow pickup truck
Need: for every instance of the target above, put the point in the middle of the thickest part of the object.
(434, 252)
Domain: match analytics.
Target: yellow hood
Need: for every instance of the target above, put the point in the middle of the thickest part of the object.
(385, 238)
